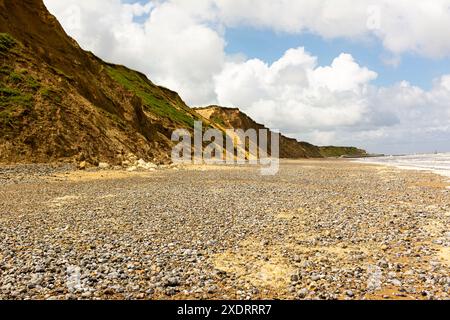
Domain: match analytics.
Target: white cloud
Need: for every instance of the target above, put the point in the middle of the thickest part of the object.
(296, 95)
(337, 103)
(344, 74)
(327, 18)
(181, 45)
(174, 47)
(401, 25)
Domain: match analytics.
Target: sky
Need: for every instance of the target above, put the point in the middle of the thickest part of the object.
(372, 74)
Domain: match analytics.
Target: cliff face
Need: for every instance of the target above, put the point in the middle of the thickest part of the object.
(61, 103)
(229, 118)
(44, 40)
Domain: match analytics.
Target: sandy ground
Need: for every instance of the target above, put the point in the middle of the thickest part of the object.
(317, 230)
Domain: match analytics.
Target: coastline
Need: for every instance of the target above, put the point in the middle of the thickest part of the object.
(399, 162)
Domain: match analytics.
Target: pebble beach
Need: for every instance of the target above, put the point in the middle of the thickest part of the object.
(322, 229)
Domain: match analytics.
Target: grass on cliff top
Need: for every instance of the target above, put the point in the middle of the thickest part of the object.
(332, 152)
(151, 97)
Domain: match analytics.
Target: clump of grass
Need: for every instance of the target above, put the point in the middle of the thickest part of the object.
(16, 77)
(8, 92)
(33, 83)
(17, 90)
(5, 70)
(7, 119)
(12, 103)
(151, 98)
(218, 121)
(20, 78)
(7, 42)
(11, 97)
(50, 94)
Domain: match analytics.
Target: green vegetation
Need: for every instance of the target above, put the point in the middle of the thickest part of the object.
(16, 77)
(17, 88)
(151, 95)
(12, 97)
(12, 102)
(218, 121)
(16, 91)
(19, 78)
(27, 82)
(6, 42)
(50, 94)
(32, 83)
(4, 69)
(61, 73)
(334, 152)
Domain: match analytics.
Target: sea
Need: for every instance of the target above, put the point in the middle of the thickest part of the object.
(437, 163)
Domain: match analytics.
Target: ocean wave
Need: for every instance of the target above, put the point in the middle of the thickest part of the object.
(437, 163)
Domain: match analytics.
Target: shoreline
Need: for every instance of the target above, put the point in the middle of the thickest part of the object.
(439, 172)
